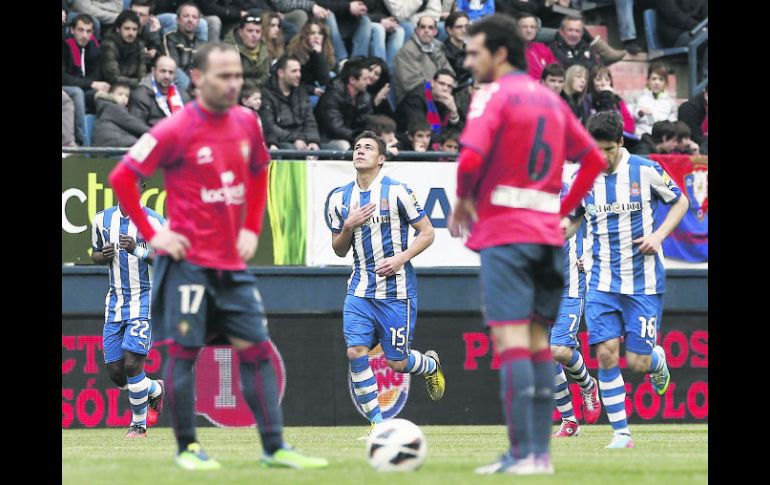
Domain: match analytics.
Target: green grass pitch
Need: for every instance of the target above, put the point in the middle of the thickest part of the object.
(670, 454)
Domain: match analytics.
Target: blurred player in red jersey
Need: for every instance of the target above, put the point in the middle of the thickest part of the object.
(517, 136)
(215, 167)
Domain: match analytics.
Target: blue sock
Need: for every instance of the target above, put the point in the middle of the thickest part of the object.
(154, 390)
(562, 395)
(656, 364)
(419, 364)
(365, 387)
(612, 389)
(517, 392)
(137, 396)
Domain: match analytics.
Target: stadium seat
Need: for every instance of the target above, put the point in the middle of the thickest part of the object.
(90, 122)
(655, 48)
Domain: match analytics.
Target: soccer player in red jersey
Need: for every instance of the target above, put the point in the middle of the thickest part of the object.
(215, 165)
(516, 139)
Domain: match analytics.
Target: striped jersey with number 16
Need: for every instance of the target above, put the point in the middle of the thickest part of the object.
(383, 235)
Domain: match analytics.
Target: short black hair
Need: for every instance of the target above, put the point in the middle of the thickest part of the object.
(449, 134)
(418, 125)
(201, 56)
(127, 16)
(380, 124)
(119, 84)
(247, 91)
(353, 69)
(682, 130)
(605, 126)
(82, 17)
(501, 30)
(452, 19)
(554, 69)
(283, 60)
(662, 131)
(444, 72)
(143, 3)
(373, 136)
(188, 4)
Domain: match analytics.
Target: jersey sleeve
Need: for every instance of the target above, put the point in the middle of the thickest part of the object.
(662, 185)
(483, 121)
(260, 155)
(334, 219)
(97, 239)
(156, 148)
(577, 141)
(408, 205)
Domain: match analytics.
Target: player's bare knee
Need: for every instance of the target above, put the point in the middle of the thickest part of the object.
(117, 374)
(607, 358)
(561, 354)
(397, 365)
(638, 363)
(356, 352)
(133, 364)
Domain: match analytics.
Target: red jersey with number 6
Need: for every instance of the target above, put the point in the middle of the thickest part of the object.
(206, 158)
(524, 132)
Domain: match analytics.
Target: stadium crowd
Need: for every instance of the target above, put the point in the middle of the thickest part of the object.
(319, 72)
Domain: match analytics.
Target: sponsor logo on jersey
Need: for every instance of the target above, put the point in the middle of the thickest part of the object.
(615, 207)
(378, 220)
(392, 386)
(143, 147)
(230, 195)
(204, 155)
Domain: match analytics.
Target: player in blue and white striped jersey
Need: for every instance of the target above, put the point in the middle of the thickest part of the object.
(564, 341)
(626, 282)
(373, 214)
(127, 336)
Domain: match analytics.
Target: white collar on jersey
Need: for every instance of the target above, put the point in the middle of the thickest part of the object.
(377, 180)
(624, 156)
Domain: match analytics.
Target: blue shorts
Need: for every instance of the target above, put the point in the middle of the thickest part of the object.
(521, 281)
(634, 317)
(196, 306)
(366, 321)
(565, 329)
(134, 335)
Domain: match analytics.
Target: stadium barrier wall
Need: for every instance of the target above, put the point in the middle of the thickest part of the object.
(304, 311)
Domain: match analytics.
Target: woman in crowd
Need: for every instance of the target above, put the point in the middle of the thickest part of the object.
(654, 104)
(313, 47)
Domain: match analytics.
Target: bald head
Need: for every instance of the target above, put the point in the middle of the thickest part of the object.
(164, 72)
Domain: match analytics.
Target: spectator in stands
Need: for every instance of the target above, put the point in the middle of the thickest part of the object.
(662, 140)
(115, 125)
(379, 87)
(449, 141)
(149, 28)
(624, 10)
(343, 108)
(574, 91)
(287, 117)
(254, 56)
(654, 104)
(515, 8)
(252, 98)
(537, 53)
(348, 22)
(419, 135)
(432, 102)
(182, 43)
(570, 47)
(122, 58)
(387, 34)
(409, 12)
(553, 77)
(271, 29)
(385, 128)
(313, 47)
(601, 96)
(476, 9)
(104, 12)
(68, 121)
(80, 70)
(695, 113)
(454, 47)
(167, 12)
(676, 18)
(419, 59)
(157, 97)
(684, 143)
(295, 12)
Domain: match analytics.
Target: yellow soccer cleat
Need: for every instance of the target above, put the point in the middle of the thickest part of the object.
(435, 382)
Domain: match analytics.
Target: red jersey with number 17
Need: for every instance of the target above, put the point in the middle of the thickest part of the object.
(523, 132)
(206, 158)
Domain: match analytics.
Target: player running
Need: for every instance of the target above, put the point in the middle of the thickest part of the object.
(627, 278)
(564, 341)
(127, 334)
(215, 165)
(516, 139)
(372, 215)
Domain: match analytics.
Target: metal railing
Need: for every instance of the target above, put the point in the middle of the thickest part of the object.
(410, 156)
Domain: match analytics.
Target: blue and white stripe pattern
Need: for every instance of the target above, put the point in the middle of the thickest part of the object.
(129, 293)
(138, 389)
(612, 389)
(574, 280)
(365, 388)
(562, 395)
(384, 235)
(420, 364)
(619, 209)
